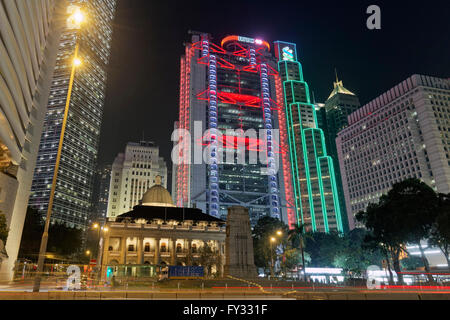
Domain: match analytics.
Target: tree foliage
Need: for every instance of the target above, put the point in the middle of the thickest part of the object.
(440, 231)
(356, 256)
(404, 215)
(62, 240)
(265, 228)
(323, 248)
(412, 263)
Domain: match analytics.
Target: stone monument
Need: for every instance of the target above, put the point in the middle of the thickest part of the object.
(239, 244)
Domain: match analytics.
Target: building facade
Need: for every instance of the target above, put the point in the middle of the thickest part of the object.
(101, 193)
(29, 33)
(230, 91)
(404, 133)
(158, 234)
(313, 177)
(74, 186)
(339, 105)
(132, 174)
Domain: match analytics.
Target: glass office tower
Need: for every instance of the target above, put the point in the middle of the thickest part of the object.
(313, 178)
(232, 87)
(74, 185)
(339, 105)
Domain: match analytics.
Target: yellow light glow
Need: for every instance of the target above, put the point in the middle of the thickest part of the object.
(95, 226)
(105, 229)
(88, 252)
(77, 62)
(279, 233)
(78, 17)
(272, 239)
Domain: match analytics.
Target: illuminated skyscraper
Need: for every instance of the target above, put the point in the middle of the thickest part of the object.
(74, 186)
(232, 86)
(314, 183)
(101, 193)
(339, 105)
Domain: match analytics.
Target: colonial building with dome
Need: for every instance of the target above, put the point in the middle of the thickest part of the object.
(156, 233)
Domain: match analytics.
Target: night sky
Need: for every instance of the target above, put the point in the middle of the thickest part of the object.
(143, 86)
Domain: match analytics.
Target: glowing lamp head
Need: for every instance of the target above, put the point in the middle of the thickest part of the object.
(88, 252)
(78, 17)
(258, 42)
(273, 239)
(279, 233)
(105, 229)
(95, 226)
(77, 62)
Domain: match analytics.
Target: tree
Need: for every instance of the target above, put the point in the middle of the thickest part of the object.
(411, 262)
(323, 248)
(404, 215)
(3, 229)
(62, 240)
(415, 205)
(356, 256)
(385, 231)
(297, 237)
(264, 251)
(440, 231)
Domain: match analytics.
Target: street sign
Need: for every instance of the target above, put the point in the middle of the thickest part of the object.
(186, 272)
(93, 262)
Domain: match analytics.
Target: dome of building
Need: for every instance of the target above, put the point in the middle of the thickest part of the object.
(157, 196)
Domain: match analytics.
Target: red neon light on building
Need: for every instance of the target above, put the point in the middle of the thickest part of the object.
(292, 216)
(258, 42)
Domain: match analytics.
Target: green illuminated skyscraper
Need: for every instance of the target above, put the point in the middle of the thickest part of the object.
(314, 183)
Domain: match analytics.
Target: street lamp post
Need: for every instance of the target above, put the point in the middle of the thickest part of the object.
(76, 19)
(273, 239)
(99, 244)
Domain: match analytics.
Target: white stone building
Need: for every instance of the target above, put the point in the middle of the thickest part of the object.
(404, 133)
(133, 173)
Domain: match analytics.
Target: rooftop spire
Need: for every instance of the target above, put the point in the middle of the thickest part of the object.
(339, 87)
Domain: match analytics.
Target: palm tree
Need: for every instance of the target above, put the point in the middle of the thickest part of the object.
(297, 237)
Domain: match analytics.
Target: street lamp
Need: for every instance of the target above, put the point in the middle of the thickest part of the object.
(89, 253)
(99, 244)
(74, 21)
(272, 240)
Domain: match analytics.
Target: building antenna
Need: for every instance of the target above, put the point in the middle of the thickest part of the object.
(335, 71)
(314, 98)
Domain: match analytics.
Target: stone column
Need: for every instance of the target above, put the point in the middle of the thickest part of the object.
(140, 250)
(103, 256)
(222, 257)
(189, 252)
(124, 249)
(157, 257)
(173, 254)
